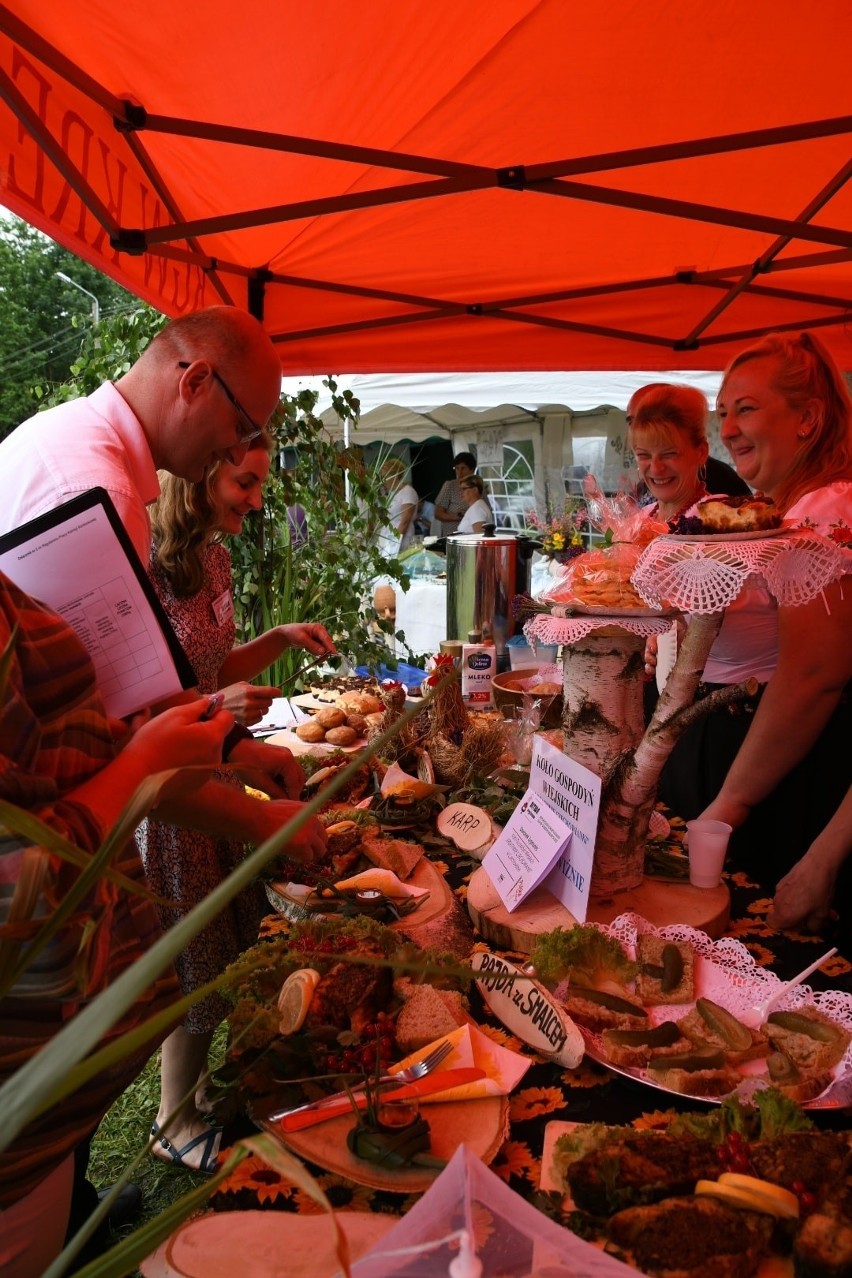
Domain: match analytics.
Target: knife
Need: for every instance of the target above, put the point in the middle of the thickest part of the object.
(440, 1081)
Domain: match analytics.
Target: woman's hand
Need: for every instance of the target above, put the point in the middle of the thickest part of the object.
(803, 897)
(650, 658)
(724, 809)
(249, 702)
(307, 846)
(269, 768)
(308, 635)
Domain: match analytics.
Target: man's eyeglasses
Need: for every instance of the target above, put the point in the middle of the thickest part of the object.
(248, 427)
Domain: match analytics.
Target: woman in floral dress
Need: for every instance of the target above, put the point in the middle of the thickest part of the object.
(190, 568)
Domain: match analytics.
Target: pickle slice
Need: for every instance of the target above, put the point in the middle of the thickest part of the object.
(782, 1071)
(660, 1036)
(799, 1024)
(604, 999)
(721, 1022)
(672, 969)
(690, 1061)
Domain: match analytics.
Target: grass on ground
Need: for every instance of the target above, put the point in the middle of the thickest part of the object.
(125, 1131)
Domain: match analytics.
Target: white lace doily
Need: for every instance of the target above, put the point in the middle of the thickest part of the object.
(706, 576)
(554, 628)
(727, 973)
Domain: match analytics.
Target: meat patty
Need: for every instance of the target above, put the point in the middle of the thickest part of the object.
(640, 1168)
(823, 1246)
(692, 1238)
(819, 1159)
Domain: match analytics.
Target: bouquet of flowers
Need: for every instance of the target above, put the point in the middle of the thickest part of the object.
(562, 535)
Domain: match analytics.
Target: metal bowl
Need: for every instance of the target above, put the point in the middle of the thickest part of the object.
(509, 689)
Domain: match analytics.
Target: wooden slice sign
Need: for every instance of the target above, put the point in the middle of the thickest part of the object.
(529, 1010)
(469, 827)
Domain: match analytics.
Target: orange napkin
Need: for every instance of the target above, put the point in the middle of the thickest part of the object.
(502, 1069)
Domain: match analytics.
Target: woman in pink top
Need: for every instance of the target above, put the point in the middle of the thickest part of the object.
(778, 775)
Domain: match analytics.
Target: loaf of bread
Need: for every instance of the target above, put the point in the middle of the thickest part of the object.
(330, 717)
(426, 1015)
(310, 731)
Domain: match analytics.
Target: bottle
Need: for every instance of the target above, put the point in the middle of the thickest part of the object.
(479, 666)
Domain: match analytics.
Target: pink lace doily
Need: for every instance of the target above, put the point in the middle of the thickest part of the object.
(554, 628)
(706, 576)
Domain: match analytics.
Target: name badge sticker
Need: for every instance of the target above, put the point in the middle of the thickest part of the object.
(223, 608)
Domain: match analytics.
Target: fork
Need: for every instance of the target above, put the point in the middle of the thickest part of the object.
(411, 1074)
(756, 1015)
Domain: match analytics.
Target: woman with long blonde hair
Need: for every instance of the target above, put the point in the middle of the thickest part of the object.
(190, 569)
(778, 773)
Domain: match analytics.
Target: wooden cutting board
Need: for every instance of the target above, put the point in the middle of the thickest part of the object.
(658, 901)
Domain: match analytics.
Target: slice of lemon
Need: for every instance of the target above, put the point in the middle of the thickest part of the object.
(787, 1202)
(295, 999)
(736, 1196)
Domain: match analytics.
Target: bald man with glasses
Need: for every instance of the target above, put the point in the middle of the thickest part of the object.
(200, 392)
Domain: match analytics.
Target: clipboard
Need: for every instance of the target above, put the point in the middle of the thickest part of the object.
(79, 561)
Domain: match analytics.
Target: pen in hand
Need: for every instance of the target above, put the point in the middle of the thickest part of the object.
(214, 705)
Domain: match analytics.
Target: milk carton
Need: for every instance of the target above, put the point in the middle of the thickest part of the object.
(479, 666)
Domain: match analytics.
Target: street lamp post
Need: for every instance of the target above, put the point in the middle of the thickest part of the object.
(96, 309)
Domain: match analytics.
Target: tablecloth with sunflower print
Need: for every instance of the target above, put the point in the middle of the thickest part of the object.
(590, 1093)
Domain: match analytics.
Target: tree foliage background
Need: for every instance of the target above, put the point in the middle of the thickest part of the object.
(44, 320)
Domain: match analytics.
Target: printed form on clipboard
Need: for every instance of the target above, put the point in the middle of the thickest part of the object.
(78, 560)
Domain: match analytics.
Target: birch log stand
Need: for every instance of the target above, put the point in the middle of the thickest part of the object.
(604, 730)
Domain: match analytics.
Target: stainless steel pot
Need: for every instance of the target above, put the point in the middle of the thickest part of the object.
(484, 572)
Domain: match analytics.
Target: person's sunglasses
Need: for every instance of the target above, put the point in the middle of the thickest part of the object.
(248, 427)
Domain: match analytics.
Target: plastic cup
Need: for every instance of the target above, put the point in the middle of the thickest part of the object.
(707, 844)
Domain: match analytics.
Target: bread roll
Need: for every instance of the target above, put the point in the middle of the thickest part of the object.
(342, 736)
(311, 731)
(358, 722)
(330, 717)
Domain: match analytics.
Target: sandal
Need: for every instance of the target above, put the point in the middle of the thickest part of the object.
(207, 1139)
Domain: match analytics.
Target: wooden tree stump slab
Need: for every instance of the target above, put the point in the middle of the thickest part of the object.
(439, 922)
(661, 903)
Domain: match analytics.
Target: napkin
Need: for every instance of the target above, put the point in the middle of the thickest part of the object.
(503, 1069)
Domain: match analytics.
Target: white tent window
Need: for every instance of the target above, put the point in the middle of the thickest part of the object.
(511, 486)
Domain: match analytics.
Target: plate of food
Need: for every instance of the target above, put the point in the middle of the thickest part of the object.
(481, 1125)
(666, 1006)
(677, 1204)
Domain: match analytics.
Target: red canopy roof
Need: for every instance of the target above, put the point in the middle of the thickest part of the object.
(448, 184)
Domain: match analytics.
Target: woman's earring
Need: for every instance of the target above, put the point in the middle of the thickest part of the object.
(702, 473)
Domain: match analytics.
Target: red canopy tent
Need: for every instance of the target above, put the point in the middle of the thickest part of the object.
(494, 184)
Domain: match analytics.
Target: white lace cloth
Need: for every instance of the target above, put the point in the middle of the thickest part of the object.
(555, 627)
(705, 576)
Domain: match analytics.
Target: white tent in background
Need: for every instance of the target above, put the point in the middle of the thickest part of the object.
(532, 433)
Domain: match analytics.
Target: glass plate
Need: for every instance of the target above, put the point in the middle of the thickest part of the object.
(727, 973)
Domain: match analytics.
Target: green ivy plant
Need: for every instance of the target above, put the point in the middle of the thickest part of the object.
(328, 577)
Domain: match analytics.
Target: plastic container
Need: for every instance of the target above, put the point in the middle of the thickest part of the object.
(521, 654)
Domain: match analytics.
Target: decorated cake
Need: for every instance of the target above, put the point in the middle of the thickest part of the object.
(727, 515)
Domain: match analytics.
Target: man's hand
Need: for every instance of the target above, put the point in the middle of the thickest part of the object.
(249, 702)
(269, 768)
